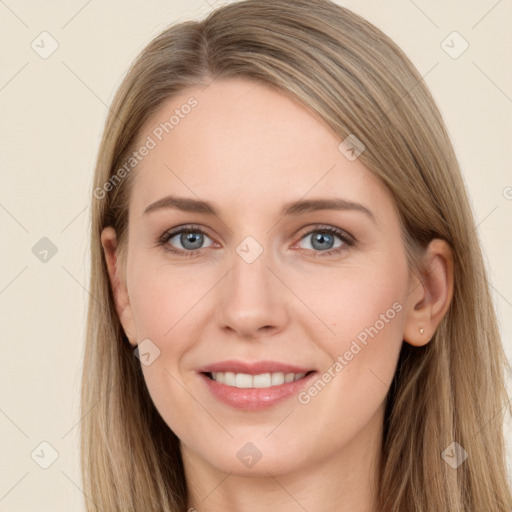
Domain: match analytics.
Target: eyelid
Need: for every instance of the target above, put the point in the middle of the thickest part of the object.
(342, 233)
(185, 227)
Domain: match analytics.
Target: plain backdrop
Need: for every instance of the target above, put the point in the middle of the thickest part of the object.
(52, 115)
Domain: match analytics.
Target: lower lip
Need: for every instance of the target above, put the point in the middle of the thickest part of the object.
(255, 399)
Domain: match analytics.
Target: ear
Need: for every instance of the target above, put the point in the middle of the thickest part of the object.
(118, 283)
(430, 294)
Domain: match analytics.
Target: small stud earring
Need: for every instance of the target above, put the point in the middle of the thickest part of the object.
(421, 330)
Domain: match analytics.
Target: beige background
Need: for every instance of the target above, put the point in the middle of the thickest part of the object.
(52, 113)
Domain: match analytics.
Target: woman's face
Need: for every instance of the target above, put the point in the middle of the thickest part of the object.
(272, 285)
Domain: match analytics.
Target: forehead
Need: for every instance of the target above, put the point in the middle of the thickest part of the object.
(239, 142)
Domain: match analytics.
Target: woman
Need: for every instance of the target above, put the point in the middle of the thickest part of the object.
(289, 308)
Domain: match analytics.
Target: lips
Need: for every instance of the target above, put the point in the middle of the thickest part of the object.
(253, 368)
(254, 385)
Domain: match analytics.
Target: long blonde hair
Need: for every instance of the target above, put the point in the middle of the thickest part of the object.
(355, 78)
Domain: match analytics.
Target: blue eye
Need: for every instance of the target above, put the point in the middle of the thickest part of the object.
(190, 238)
(323, 240)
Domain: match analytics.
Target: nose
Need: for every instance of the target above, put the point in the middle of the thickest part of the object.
(252, 299)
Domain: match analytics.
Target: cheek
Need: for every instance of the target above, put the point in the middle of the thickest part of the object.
(357, 302)
(169, 307)
(165, 311)
(365, 309)
(163, 298)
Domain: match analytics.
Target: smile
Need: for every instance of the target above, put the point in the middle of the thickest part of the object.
(262, 380)
(256, 385)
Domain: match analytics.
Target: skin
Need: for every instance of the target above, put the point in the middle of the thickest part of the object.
(249, 150)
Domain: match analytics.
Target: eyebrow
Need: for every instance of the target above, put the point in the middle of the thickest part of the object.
(293, 208)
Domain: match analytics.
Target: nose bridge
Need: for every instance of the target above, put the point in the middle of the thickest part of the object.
(252, 298)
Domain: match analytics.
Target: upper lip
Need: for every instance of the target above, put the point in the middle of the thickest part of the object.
(253, 367)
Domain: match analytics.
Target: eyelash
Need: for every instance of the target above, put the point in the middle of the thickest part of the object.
(348, 240)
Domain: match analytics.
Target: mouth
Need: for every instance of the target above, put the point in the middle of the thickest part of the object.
(260, 380)
(254, 386)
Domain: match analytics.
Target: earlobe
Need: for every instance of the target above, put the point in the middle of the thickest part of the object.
(118, 282)
(430, 294)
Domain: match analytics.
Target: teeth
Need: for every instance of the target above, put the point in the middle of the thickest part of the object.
(277, 379)
(229, 378)
(262, 380)
(242, 380)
